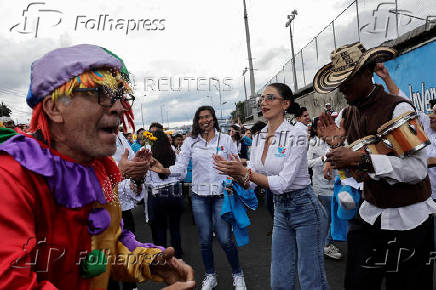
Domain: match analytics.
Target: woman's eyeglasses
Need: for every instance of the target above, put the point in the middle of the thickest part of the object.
(269, 98)
(107, 97)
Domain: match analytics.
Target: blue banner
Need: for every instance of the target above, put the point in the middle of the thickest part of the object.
(415, 74)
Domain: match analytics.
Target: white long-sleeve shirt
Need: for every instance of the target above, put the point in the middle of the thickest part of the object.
(286, 161)
(317, 149)
(154, 182)
(127, 197)
(205, 178)
(431, 150)
(410, 169)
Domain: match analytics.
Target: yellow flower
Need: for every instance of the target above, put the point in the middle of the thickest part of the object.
(149, 136)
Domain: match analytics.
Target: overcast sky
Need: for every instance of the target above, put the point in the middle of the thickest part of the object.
(196, 39)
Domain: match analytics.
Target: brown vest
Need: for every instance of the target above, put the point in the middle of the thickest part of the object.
(364, 119)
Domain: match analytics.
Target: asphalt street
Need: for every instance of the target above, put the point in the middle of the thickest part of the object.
(255, 257)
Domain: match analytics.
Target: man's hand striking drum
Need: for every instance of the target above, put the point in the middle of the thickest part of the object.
(344, 157)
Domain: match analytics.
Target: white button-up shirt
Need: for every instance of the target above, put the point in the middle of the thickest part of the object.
(431, 150)
(300, 125)
(155, 183)
(286, 160)
(410, 169)
(317, 149)
(127, 197)
(205, 178)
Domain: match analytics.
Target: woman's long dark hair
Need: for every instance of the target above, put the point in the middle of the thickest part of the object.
(238, 133)
(314, 127)
(162, 151)
(196, 127)
(286, 93)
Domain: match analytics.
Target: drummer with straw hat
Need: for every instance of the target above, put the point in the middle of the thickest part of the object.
(391, 237)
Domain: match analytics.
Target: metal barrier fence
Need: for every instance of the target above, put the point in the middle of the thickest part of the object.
(371, 22)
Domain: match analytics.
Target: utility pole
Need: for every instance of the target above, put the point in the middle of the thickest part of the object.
(219, 91)
(250, 59)
(245, 87)
(142, 117)
(168, 122)
(288, 23)
(221, 102)
(161, 114)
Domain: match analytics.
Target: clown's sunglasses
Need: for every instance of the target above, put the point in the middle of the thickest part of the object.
(107, 97)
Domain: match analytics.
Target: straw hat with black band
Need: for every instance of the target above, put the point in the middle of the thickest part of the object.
(347, 60)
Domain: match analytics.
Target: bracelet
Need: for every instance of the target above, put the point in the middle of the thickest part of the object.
(247, 176)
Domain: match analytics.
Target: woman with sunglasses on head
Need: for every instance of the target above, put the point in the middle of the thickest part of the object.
(207, 191)
(278, 162)
(235, 133)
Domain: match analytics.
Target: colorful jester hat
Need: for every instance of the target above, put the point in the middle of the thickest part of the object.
(61, 70)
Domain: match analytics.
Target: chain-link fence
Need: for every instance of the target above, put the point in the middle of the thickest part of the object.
(371, 22)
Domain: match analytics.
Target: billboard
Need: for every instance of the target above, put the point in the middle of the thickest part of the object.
(415, 74)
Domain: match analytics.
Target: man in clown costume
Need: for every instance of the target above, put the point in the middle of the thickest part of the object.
(60, 217)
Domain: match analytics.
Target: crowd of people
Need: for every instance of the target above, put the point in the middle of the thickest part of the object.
(364, 175)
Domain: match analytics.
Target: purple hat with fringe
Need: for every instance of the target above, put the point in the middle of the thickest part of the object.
(60, 65)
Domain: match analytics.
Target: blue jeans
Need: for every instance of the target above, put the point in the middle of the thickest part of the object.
(300, 226)
(326, 201)
(207, 215)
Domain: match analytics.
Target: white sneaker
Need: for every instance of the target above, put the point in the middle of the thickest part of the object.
(239, 282)
(209, 282)
(332, 252)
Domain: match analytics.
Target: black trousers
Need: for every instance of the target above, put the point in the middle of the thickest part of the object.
(403, 258)
(165, 212)
(128, 220)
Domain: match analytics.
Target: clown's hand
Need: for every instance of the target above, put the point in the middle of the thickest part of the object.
(135, 168)
(181, 286)
(172, 270)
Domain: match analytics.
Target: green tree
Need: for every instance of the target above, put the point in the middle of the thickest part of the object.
(4, 110)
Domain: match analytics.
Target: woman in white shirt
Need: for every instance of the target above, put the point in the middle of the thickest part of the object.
(165, 198)
(278, 162)
(207, 191)
(323, 188)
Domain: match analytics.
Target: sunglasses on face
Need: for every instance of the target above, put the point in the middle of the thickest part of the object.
(107, 97)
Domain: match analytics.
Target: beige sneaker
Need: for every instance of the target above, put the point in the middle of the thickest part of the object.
(332, 252)
(209, 282)
(239, 282)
